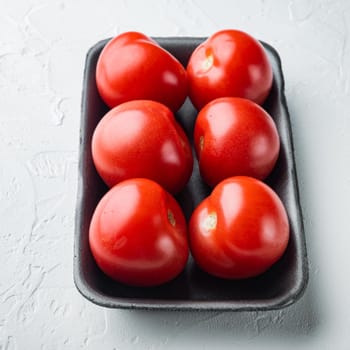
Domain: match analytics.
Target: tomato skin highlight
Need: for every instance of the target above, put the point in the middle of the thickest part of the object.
(229, 63)
(240, 230)
(235, 136)
(141, 138)
(132, 66)
(138, 234)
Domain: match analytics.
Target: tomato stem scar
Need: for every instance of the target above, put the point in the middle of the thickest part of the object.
(171, 218)
(208, 62)
(201, 143)
(209, 223)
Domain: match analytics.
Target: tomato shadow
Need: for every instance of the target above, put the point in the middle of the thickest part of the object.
(196, 189)
(286, 328)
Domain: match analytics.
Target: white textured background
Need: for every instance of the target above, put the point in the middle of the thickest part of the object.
(42, 51)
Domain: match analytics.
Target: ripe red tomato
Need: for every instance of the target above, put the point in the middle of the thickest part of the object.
(240, 230)
(235, 136)
(133, 66)
(138, 234)
(141, 138)
(229, 63)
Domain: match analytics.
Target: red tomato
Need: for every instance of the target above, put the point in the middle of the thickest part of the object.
(138, 234)
(240, 230)
(235, 136)
(142, 139)
(229, 63)
(132, 66)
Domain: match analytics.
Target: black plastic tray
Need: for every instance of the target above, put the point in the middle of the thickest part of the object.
(280, 286)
